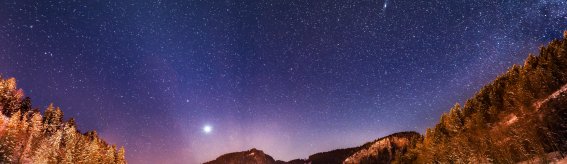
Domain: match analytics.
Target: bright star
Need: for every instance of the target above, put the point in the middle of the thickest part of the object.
(207, 129)
(385, 6)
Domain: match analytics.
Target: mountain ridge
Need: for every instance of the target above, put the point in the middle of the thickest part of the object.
(333, 156)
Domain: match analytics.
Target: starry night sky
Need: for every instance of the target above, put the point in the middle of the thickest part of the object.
(290, 77)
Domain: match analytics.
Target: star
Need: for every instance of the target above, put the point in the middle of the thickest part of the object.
(207, 129)
(385, 6)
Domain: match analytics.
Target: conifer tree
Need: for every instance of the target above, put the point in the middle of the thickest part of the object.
(69, 142)
(121, 156)
(34, 132)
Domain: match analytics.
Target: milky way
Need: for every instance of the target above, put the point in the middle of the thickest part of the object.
(291, 78)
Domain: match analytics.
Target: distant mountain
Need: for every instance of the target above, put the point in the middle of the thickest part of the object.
(252, 156)
(385, 149)
(388, 149)
(334, 156)
(521, 117)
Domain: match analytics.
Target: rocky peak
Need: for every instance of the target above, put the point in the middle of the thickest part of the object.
(252, 156)
(384, 150)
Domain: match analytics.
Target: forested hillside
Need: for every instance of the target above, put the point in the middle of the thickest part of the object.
(520, 116)
(27, 136)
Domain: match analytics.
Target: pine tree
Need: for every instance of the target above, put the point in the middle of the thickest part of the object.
(26, 105)
(109, 156)
(10, 97)
(48, 150)
(9, 147)
(53, 118)
(35, 129)
(454, 120)
(120, 156)
(69, 141)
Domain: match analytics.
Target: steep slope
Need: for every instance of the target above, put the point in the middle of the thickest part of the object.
(553, 117)
(252, 156)
(520, 116)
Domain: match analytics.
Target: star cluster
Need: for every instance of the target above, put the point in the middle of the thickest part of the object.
(291, 78)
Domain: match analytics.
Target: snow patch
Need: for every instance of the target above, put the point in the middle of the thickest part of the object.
(513, 118)
(553, 157)
(382, 146)
(554, 95)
